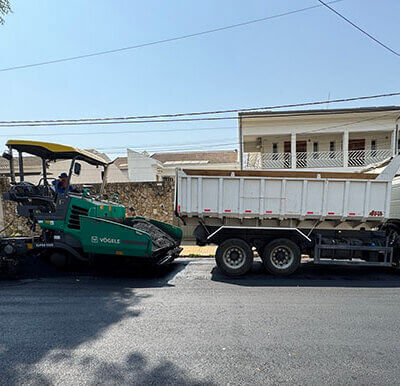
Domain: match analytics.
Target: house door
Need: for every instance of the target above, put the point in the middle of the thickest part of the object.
(356, 152)
(301, 159)
(301, 147)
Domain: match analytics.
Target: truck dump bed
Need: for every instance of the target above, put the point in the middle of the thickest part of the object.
(275, 195)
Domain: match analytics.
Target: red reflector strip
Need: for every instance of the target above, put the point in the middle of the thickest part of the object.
(268, 211)
(310, 212)
(207, 210)
(227, 211)
(352, 214)
(331, 213)
(247, 211)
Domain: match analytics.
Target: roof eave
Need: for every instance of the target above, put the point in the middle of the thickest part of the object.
(354, 110)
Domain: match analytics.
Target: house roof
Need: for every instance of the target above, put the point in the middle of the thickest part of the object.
(121, 162)
(325, 111)
(30, 162)
(210, 157)
(102, 155)
(31, 165)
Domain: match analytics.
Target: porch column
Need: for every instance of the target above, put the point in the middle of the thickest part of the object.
(293, 149)
(345, 149)
(393, 141)
(240, 143)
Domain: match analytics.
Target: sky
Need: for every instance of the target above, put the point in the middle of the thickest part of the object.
(312, 55)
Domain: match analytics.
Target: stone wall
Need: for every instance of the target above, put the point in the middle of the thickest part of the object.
(8, 215)
(147, 199)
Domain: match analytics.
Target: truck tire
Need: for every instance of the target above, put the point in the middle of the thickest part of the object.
(281, 257)
(234, 257)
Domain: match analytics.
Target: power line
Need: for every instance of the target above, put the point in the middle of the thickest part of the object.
(162, 41)
(119, 132)
(176, 145)
(215, 147)
(212, 146)
(359, 28)
(208, 145)
(156, 118)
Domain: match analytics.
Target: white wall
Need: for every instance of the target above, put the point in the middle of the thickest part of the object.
(142, 168)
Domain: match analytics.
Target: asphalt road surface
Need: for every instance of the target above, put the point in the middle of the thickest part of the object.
(187, 324)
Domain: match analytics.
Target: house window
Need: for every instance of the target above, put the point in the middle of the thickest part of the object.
(315, 150)
(373, 148)
(275, 151)
(332, 149)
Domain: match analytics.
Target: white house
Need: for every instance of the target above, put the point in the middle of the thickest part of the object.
(334, 139)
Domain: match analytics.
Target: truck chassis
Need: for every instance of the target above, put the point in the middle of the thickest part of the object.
(281, 249)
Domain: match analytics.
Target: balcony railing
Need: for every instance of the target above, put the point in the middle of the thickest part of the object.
(321, 159)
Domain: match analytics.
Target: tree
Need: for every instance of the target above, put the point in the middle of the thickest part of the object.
(4, 9)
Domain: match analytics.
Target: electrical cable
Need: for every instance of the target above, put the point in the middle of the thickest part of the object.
(162, 41)
(190, 146)
(179, 146)
(359, 28)
(120, 132)
(145, 118)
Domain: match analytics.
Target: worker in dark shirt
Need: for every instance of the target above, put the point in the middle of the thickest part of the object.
(61, 184)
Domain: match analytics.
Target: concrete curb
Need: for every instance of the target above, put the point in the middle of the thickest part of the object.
(196, 251)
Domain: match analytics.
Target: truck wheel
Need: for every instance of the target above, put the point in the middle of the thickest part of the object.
(234, 257)
(281, 257)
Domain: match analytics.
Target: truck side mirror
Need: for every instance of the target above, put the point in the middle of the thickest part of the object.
(77, 168)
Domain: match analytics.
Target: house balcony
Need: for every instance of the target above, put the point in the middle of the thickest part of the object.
(322, 159)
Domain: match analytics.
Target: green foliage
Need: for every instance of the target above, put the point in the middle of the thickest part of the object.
(4, 9)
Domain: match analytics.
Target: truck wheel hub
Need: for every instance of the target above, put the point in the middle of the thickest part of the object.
(281, 257)
(234, 257)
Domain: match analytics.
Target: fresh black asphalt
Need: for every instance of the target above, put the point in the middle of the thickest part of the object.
(187, 324)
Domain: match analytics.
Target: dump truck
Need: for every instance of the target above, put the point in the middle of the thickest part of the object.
(75, 224)
(333, 217)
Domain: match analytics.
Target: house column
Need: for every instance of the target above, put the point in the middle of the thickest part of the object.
(293, 149)
(345, 149)
(394, 139)
(240, 143)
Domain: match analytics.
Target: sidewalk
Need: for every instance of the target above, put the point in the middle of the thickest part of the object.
(195, 250)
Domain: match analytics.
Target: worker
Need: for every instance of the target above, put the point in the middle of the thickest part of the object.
(61, 184)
